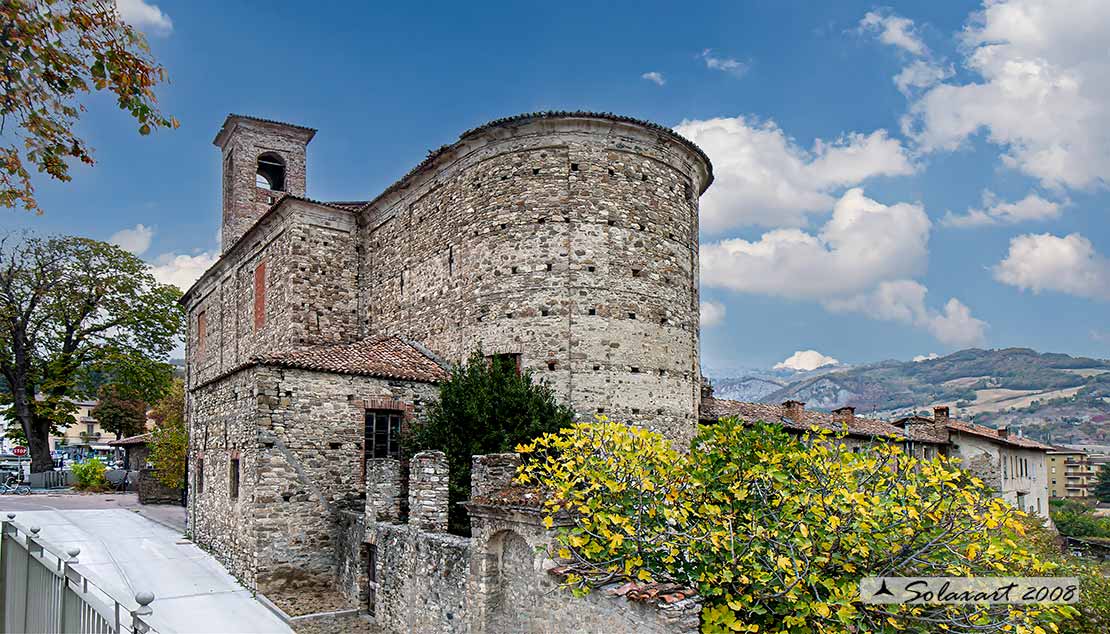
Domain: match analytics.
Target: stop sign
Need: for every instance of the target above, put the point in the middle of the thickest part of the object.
(19, 451)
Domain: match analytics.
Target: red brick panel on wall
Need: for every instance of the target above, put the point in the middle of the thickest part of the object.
(259, 296)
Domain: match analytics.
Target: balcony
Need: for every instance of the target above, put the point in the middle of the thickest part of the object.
(87, 438)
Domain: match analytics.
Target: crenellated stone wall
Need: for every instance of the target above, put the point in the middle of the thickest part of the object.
(497, 581)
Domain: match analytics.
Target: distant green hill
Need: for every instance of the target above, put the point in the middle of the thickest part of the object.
(1055, 396)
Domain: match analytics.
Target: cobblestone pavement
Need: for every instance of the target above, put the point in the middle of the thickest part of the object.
(355, 624)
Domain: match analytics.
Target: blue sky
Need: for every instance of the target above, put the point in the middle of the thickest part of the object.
(852, 216)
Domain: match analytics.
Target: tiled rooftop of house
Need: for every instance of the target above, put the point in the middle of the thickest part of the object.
(132, 440)
(385, 357)
(713, 409)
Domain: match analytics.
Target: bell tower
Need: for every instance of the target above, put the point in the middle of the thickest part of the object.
(262, 161)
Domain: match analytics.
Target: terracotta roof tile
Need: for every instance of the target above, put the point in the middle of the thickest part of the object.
(713, 409)
(386, 357)
(960, 426)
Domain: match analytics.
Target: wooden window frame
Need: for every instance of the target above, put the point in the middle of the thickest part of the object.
(393, 421)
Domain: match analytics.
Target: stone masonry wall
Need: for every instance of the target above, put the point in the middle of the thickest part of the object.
(428, 491)
(421, 580)
(222, 418)
(299, 435)
(308, 256)
(492, 472)
(511, 590)
(383, 490)
(572, 242)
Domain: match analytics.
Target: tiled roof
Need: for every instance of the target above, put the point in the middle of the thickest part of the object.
(926, 430)
(713, 409)
(960, 426)
(923, 429)
(233, 117)
(665, 593)
(386, 357)
(349, 204)
(132, 440)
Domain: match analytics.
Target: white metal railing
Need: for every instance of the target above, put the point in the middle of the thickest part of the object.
(45, 590)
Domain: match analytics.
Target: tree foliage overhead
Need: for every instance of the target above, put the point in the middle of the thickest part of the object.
(53, 52)
(118, 411)
(70, 306)
(170, 440)
(487, 406)
(774, 531)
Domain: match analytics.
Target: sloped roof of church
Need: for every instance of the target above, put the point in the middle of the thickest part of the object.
(386, 357)
(716, 408)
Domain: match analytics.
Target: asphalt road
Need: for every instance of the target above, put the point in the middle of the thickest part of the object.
(170, 516)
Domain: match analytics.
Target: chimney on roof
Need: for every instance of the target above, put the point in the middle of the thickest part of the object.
(940, 414)
(794, 410)
(1003, 432)
(845, 415)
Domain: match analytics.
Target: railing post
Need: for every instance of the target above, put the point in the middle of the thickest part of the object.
(137, 623)
(72, 552)
(27, 575)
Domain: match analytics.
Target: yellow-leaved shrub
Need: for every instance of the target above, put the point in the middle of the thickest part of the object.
(775, 531)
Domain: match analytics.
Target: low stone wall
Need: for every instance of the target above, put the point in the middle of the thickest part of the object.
(151, 491)
(351, 576)
(421, 580)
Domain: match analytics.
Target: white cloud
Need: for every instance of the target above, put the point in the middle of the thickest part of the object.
(763, 178)
(921, 74)
(182, 270)
(724, 64)
(895, 31)
(860, 261)
(996, 212)
(863, 243)
(926, 357)
(143, 16)
(1042, 95)
(903, 301)
(654, 76)
(805, 360)
(712, 313)
(1044, 262)
(136, 240)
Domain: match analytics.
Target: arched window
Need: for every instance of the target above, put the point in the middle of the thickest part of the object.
(271, 172)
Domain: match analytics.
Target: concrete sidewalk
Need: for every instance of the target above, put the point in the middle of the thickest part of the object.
(125, 553)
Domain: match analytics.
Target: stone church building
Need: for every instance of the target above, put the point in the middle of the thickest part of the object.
(566, 241)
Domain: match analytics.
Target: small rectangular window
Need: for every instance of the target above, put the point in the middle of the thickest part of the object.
(259, 296)
(233, 479)
(383, 434)
(202, 332)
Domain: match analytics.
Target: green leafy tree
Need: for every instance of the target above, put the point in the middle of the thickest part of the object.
(1102, 485)
(487, 406)
(170, 440)
(118, 412)
(52, 53)
(70, 306)
(774, 531)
